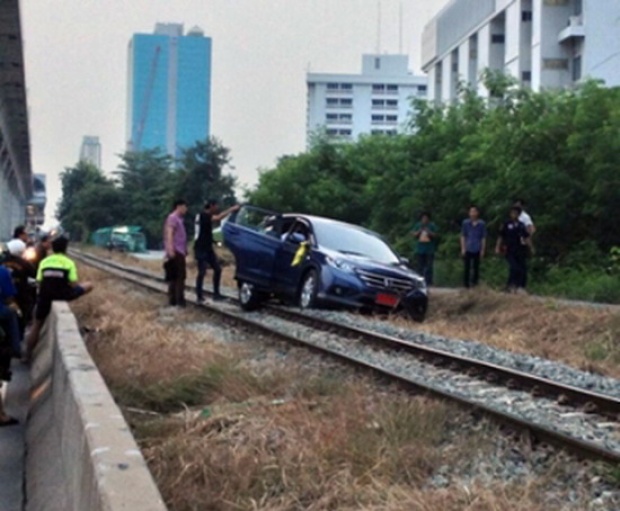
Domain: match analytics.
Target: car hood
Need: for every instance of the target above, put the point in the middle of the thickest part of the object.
(367, 264)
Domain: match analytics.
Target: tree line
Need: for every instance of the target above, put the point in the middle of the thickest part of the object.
(141, 191)
(559, 150)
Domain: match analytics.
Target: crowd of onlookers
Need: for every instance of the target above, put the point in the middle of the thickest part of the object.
(31, 279)
(514, 243)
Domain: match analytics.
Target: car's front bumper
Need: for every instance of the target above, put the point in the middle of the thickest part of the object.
(339, 288)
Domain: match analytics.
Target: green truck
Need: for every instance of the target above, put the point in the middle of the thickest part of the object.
(124, 238)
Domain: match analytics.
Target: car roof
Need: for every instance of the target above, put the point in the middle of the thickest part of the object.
(321, 220)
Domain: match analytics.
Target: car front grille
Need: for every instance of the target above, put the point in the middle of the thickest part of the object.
(383, 283)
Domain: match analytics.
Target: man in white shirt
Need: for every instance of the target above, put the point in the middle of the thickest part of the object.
(525, 218)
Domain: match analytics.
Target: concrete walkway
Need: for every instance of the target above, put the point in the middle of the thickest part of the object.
(12, 440)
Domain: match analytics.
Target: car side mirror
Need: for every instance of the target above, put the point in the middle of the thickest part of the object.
(296, 238)
(404, 261)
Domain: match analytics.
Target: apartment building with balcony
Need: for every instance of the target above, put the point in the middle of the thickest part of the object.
(377, 101)
(542, 43)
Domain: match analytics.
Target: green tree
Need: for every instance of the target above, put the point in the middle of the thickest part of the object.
(201, 174)
(89, 200)
(147, 181)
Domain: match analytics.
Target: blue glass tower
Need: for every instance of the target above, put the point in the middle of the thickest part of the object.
(169, 89)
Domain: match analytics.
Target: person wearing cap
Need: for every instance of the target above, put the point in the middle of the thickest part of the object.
(58, 281)
(203, 247)
(23, 274)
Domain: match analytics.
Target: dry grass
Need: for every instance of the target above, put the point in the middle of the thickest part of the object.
(582, 337)
(221, 432)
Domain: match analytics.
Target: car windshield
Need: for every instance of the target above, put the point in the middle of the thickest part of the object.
(350, 240)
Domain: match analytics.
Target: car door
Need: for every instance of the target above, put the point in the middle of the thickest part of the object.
(253, 236)
(287, 276)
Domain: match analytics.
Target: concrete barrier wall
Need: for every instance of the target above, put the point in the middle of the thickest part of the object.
(81, 455)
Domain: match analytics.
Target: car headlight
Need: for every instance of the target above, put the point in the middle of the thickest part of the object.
(340, 264)
(420, 284)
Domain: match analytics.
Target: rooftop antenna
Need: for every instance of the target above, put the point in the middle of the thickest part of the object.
(400, 27)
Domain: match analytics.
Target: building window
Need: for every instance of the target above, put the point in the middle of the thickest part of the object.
(378, 88)
(331, 117)
(332, 132)
(377, 63)
(346, 103)
(332, 102)
(378, 119)
(392, 88)
(378, 104)
(526, 16)
(422, 88)
(498, 39)
(577, 68)
(346, 86)
(332, 86)
(392, 104)
(555, 64)
(526, 76)
(344, 133)
(391, 119)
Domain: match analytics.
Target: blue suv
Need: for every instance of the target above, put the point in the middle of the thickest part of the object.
(314, 261)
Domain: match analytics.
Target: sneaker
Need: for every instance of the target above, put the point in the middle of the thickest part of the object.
(218, 298)
(201, 299)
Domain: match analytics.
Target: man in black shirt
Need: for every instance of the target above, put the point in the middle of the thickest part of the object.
(512, 242)
(203, 247)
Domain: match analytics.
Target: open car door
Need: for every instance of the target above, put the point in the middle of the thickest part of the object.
(253, 236)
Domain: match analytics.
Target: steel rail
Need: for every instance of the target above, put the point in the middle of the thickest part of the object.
(571, 395)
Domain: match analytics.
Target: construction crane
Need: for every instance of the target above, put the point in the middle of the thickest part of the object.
(146, 101)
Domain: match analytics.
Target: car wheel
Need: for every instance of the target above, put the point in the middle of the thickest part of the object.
(309, 290)
(417, 312)
(249, 298)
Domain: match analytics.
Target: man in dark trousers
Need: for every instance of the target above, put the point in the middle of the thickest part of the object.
(473, 246)
(425, 233)
(512, 242)
(203, 247)
(175, 243)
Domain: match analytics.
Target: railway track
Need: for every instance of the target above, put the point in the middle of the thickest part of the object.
(579, 420)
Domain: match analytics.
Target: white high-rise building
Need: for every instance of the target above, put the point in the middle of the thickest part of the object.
(90, 151)
(542, 43)
(377, 101)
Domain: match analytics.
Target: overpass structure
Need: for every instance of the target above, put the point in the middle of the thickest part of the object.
(16, 178)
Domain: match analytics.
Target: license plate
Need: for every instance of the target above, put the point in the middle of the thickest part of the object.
(387, 300)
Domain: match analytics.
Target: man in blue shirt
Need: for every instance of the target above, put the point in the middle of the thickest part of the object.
(9, 337)
(473, 246)
(9, 320)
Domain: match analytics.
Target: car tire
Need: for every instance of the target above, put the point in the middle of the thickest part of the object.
(309, 290)
(249, 298)
(417, 312)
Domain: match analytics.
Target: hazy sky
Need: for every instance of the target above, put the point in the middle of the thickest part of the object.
(76, 68)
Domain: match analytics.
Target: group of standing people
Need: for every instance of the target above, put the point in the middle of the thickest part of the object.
(176, 250)
(514, 242)
(29, 284)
